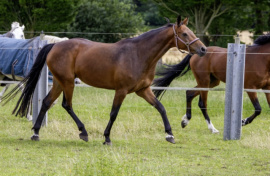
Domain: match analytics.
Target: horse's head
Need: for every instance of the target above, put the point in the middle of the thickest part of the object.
(185, 39)
(17, 30)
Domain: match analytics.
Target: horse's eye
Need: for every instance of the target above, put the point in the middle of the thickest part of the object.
(185, 34)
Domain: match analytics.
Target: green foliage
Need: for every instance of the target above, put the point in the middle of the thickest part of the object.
(106, 16)
(239, 15)
(37, 15)
(149, 10)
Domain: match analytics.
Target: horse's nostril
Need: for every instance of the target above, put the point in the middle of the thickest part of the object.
(203, 49)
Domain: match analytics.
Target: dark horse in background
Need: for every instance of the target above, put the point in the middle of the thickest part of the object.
(211, 69)
(126, 66)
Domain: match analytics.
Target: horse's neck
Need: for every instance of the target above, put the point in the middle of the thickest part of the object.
(150, 50)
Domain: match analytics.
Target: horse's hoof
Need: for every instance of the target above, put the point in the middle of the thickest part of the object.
(244, 122)
(35, 137)
(83, 137)
(214, 131)
(170, 139)
(184, 123)
(107, 143)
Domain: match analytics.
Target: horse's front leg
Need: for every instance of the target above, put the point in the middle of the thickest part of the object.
(190, 95)
(203, 106)
(148, 95)
(117, 102)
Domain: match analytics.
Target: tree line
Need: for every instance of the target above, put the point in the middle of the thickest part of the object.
(209, 19)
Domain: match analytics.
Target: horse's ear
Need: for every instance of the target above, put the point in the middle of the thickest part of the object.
(185, 21)
(23, 27)
(179, 23)
(167, 19)
(15, 24)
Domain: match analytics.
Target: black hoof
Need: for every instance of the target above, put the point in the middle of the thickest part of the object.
(83, 137)
(170, 139)
(107, 143)
(183, 124)
(35, 138)
(245, 122)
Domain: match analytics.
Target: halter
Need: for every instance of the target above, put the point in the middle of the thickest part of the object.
(186, 43)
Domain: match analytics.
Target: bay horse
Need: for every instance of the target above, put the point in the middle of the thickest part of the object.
(126, 66)
(211, 69)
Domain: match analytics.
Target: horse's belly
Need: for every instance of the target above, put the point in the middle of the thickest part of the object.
(98, 80)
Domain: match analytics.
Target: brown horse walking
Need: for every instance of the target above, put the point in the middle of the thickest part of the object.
(211, 69)
(126, 66)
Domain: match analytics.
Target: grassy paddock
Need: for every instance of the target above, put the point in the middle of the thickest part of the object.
(139, 146)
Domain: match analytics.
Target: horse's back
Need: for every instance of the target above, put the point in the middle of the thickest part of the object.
(95, 63)
(257, 67)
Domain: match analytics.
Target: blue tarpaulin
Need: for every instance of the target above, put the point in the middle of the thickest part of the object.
(18, 55)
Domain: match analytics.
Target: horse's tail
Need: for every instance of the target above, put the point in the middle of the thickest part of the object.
(169, 74)
(29, 83)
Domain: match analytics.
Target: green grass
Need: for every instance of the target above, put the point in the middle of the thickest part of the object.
(139, 145)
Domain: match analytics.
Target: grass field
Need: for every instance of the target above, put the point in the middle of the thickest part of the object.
(139, 145)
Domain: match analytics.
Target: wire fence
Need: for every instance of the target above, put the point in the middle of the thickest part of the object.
(127, 33)
(154, 88)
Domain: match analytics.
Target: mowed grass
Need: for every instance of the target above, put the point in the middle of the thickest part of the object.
(139, 145)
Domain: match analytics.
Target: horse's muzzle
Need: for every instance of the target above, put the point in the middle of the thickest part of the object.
(202, 51)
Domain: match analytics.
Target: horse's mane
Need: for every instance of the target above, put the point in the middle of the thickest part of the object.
(263, 39)
(147, 35)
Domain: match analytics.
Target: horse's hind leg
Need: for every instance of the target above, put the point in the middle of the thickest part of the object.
(254, 99)
(117, 102)
(203, 102)
(67, 105)
(46, 104)
(203, 106)
(148, 95)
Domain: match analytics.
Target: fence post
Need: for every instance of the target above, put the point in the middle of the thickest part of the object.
(41, 89)
(234, 90)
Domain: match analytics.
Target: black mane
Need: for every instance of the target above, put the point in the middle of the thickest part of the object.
(147, 35)
(263, 39)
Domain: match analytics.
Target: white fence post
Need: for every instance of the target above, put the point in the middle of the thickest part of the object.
(41, 88)
(234, 90)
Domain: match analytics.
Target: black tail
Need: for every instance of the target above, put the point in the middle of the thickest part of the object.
(29, 83)
(169, 74)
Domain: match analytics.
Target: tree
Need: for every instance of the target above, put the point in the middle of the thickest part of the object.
(37, 15)
(220, 17)
(150, 13)
(202, 13)
(116, 18)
